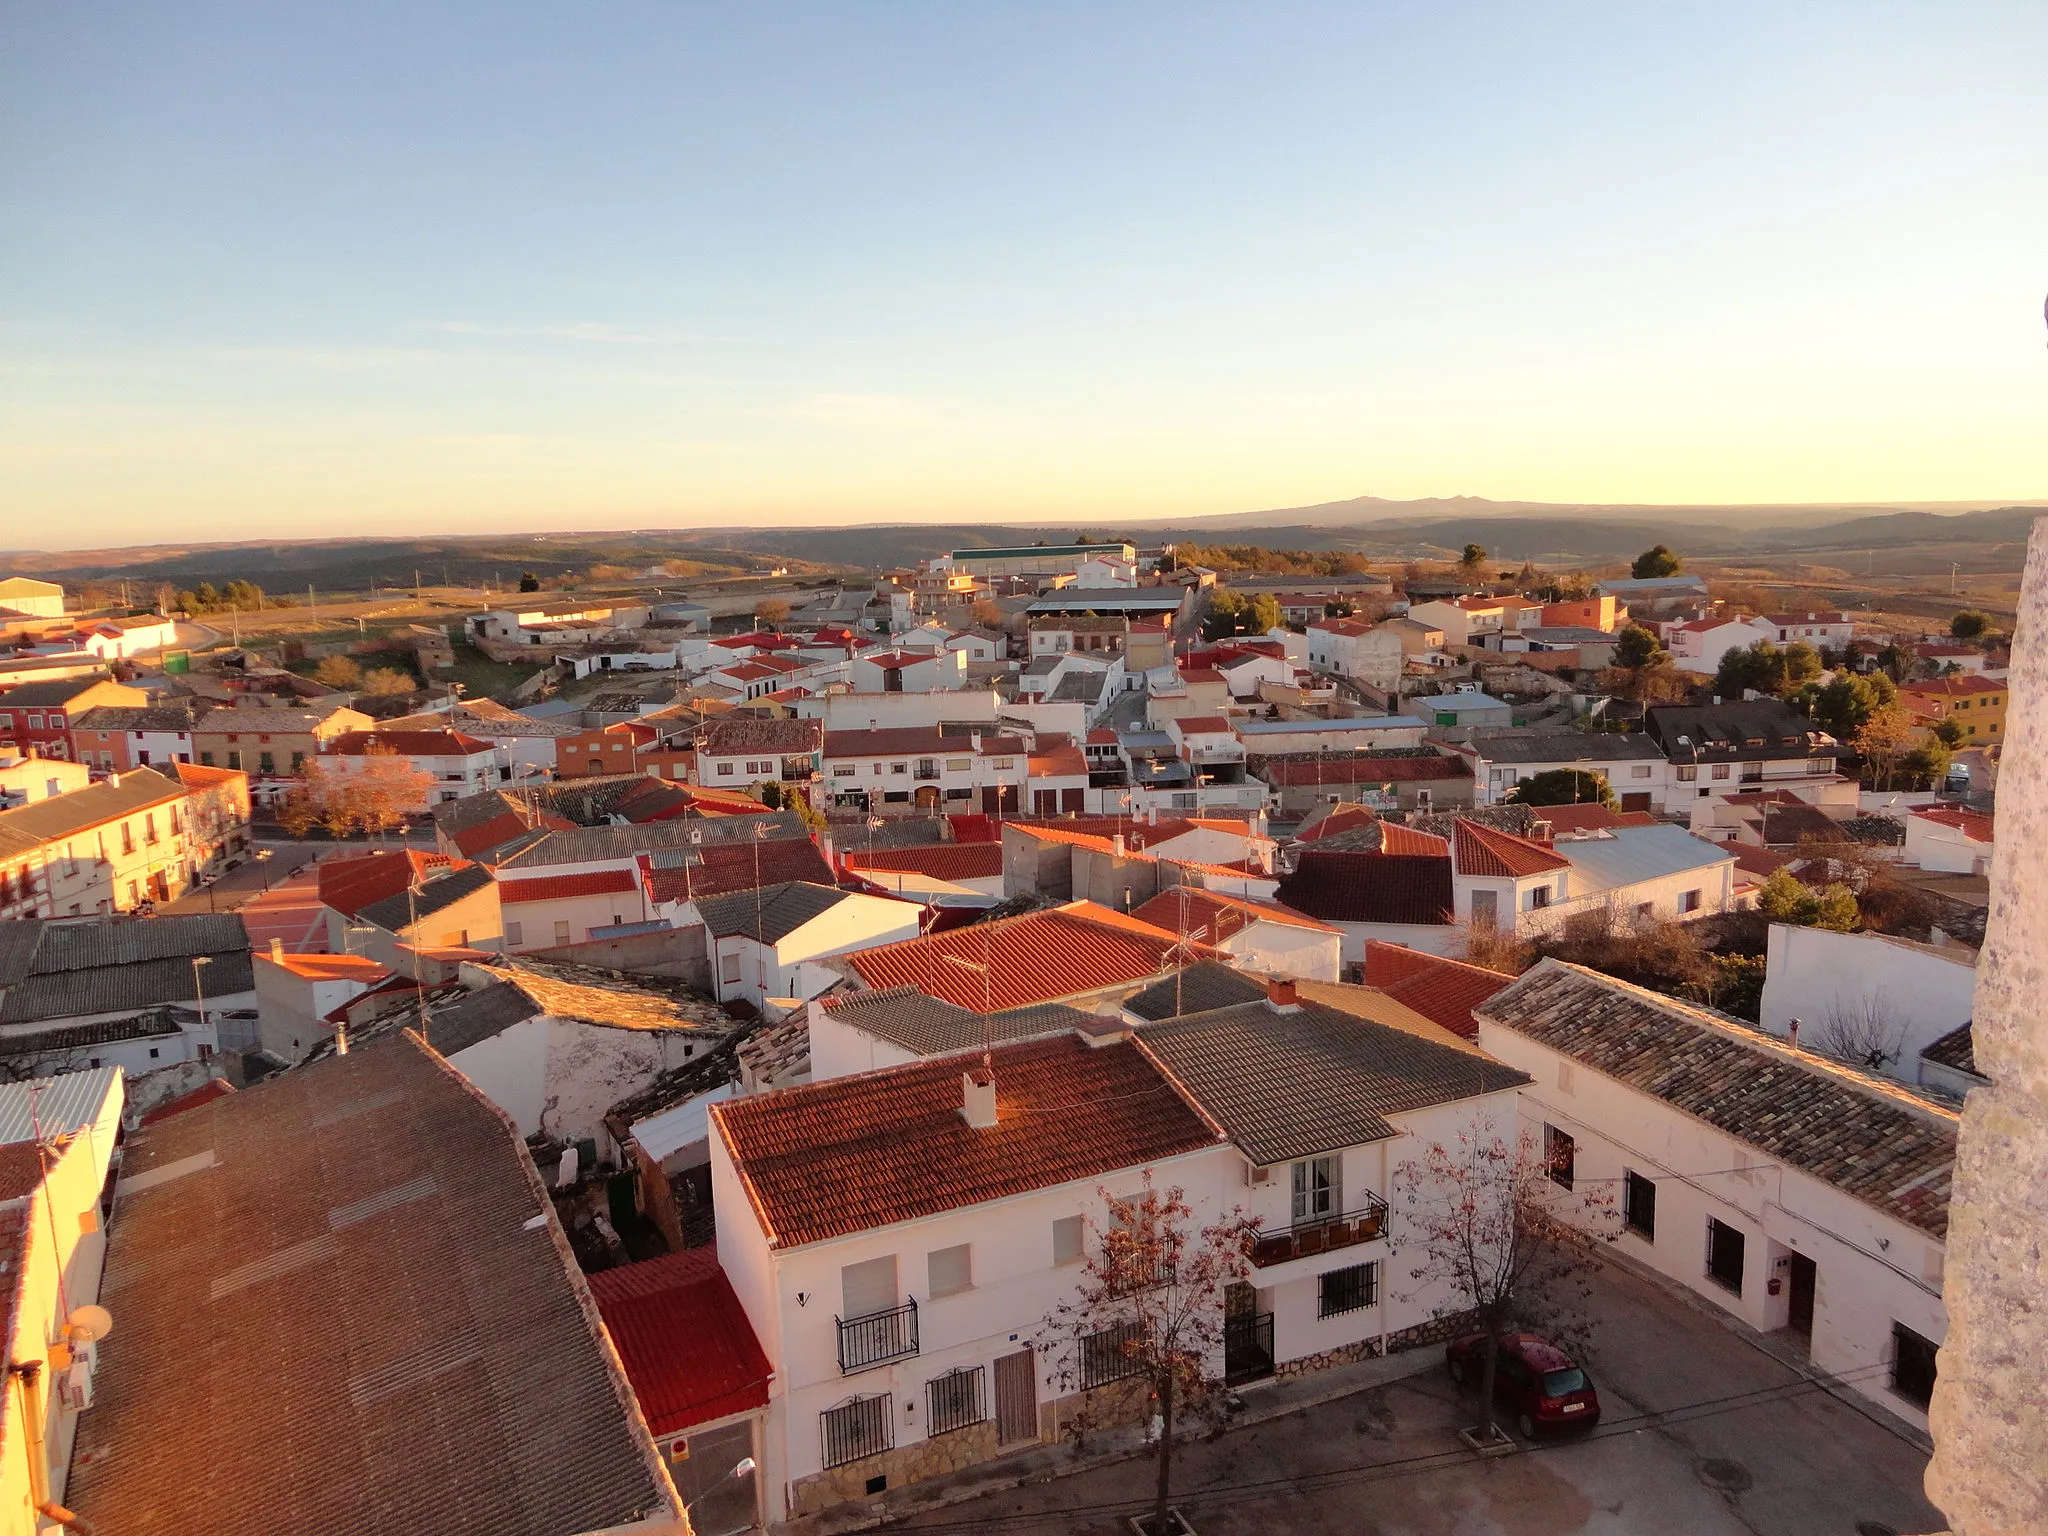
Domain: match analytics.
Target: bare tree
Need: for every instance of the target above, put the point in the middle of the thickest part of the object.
(375, 796)
(1861, 1029)
(1506, 1235)
(338, 672)
(1149, 1310)
(1497, 949)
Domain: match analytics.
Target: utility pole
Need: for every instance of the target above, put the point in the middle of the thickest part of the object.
(1952, 567)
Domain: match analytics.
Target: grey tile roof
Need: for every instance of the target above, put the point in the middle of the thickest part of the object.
(153, 1024)
(575, 845)
(478, 1016)
(1567, 747)
(769, 914)
(135, 717)
(58, 816)
(1289, 1085)
(928, 1026)
(428, 1356)
(1868, 1136)
(394, 913)
(1198, 988)
(58, 970)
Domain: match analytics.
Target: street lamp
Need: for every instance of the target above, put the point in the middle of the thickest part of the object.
(198, 986)
(263, 858)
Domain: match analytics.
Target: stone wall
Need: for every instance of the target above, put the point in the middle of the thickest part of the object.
(1437, 1330)
(934, 1457)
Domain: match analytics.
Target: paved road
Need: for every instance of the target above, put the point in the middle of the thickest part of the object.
(1704, 1434)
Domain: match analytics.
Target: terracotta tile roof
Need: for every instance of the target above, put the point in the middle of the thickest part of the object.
(858, 1153)
(1051, 834)
(897, 741)
(927, 1026)
(1753, 860)
(1348, 887)
(1200, 675)
(600, 882)
(1441, 990)
(1954, 687)
(407, 743)
(1289, 1085)
(1488, 851)
(1213, 917)
(1972, 824)
(1868, 1136)
(687, 1346)
(349, 885)
(213, 1088)
(941, 861)
(1591, 818)
(1787, 825)
(1058, 762)
(1344, 817)
(1203, 725)
(334, 1189)
(1410, 766)
(1080, 947)
(724, 867)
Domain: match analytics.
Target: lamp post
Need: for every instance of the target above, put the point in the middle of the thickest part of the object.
(199, 987)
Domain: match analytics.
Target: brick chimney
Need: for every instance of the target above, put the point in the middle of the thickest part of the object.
(277, 950)
(1792, 1032)
(978, 1098)
(1281, 994)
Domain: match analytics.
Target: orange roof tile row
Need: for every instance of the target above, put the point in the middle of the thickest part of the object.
(1488, 851)
(1213, 916)
(1443, 991)
(1080, 947)
(941, 861)
(600, 882)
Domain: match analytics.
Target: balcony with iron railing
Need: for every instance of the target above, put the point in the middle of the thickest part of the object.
(877, 1338)
(1364, 1223)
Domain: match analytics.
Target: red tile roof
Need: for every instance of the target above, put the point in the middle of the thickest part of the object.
(1340, 818)
(1200, 675)
(601, 882)
(1348, 887)
(333, 967)
(941, 861)
(1591, 818)
(1203, 725)
(1489, 851)
(856, 1153)
(1063, 762)
(730, 867)
(1753, 860)
(1353, 768)
(685, 1342)
(1971, 824)
(349, 885)
(1212, 916)
(213, 1088)
(1079, 947)
(1395, 838)
(1955, 687)
(1443, 991)
(407, 743)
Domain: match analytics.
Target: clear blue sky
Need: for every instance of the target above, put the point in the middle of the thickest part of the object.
(298, 270)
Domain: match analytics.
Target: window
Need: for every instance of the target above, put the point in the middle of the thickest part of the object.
(1724, 1255)
(561, 933)
(1688, 775)
(1721, 770)
(954, 1401)
(729, 967)
(1913, 1365)
(951, 1270)
(899, 767)
(858, 1427)
(1110, 1355)
(266, 762)
(1066, 1240)
(1485, 908)
(35, 722)
(1315, 1188)
(127, 838)
(725, 770)
(149, 832)
(1560, 1156)
(235, 761)
(1639, 1205)
(1639, 771)
(206, 759)
(869, 1287)
(959, 764)
(1539, 897)
(843, 770)
(1347, 1290)
(1688, 901)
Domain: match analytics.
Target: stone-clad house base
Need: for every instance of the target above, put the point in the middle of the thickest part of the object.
(1437, 1330)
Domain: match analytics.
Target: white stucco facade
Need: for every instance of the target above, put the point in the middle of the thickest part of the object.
(1910, 994)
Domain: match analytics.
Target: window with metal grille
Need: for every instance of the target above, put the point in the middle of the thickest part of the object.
(1913, 1365)
(954, 1401)
(1347, 1290)
(1724, 1254)
(857, 1427)
(1110, 1355)
(1639, 1205)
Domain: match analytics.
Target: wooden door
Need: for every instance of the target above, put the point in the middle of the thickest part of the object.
(1802, 1279)
(1016, 1397)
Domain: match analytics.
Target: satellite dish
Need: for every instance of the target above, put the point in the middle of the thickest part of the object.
(89, 1324)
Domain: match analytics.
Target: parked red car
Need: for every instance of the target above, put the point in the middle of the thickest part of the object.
(1535, 1381)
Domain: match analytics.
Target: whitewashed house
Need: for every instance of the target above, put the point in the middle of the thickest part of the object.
(1261, 936)
(898, 1237)
(1365, 653)
(1868, 997)
(1797, 1194)
(1697, 645)
(767, 943)
(1951, 840)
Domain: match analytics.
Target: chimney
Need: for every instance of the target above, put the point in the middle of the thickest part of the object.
(1116, 845)
(1281, 994)
(277, 950)
(978, 1098)
(1792, 1032)
(113, 781)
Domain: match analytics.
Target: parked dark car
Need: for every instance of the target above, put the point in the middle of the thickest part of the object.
(1541, 1385)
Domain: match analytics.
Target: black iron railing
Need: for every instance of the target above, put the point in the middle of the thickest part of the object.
(954, 1401)
(1110, 1355)
(1247, 1347)
(877, 1338)
(858, 1427)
